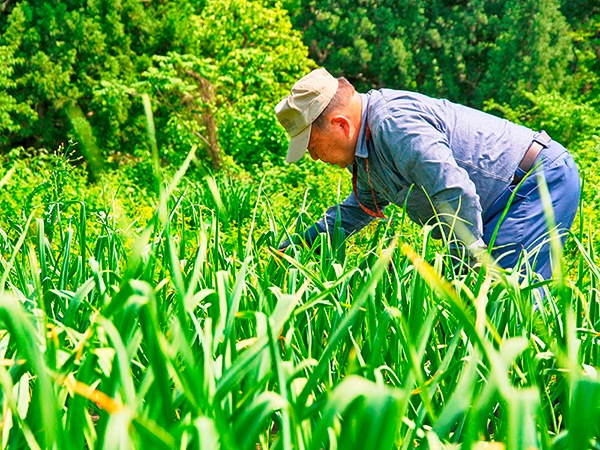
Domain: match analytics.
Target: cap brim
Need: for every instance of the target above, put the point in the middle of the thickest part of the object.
(298, 145)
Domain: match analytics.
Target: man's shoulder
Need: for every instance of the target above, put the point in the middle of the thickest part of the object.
(395, 101)
(400, 95)
(396, 106)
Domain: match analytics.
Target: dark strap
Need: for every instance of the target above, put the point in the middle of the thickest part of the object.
(370, 212)
(542, 138)
(540, 141)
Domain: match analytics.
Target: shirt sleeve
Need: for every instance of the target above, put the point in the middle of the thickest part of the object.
(421, 153)
(352, 216)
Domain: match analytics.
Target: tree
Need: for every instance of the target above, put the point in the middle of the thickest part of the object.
(532, 51)
(12, 111)
(466, 50)
(243, 58)
(214, 71)
(584, 18)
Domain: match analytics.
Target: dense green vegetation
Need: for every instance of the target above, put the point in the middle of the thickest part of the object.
(191, 331)
(467, 51)
(212, 67)
(143, 303)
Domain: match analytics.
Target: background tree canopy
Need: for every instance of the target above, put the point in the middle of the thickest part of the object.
(142, 303)
(469, 51)
(215, 69)
(212, 68)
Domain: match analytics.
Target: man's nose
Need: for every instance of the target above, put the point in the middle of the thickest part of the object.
(313, 155)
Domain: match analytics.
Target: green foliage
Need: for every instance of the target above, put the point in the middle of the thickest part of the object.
(12, 111)
(532, 50)
(587, 45)
(220, 95)
(368, 43)
(189, 330)
(569, 120)
(70, 51)
(257, 58)
(175, 81)
(467, 51)
(50, 187)
(214, 69)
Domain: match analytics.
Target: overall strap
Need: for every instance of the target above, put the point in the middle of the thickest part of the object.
(378, 212)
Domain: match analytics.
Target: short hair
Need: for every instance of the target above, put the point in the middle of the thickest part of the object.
(340, 100)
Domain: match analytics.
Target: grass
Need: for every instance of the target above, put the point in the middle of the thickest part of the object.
(194, 332)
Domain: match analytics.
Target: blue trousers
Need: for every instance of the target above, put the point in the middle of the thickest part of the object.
(524, 227)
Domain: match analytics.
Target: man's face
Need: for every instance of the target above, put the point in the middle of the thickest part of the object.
(332, 146)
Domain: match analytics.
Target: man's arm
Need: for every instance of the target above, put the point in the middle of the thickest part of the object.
(352, 218)
(421, 153)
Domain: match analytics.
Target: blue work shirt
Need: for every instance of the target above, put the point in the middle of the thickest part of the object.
(458, 160)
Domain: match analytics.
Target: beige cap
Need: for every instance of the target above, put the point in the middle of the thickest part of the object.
(309, 97)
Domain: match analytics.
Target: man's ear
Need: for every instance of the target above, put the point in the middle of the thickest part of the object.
(342, 122)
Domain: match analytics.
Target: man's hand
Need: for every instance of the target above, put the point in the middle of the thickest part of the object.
(479, 254)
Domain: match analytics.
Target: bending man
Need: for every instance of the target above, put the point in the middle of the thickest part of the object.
(450, 164)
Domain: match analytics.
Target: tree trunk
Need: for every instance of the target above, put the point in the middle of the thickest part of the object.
(208, 120)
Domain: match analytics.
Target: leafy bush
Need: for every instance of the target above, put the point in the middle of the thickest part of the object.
(174, 335)
(54, 187)
(466, 51)
(569, 120)
(257, 57)
(213, 69)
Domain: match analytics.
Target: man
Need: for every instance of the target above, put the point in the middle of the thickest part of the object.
(449, 164)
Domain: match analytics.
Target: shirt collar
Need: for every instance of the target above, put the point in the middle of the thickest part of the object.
(361, 144)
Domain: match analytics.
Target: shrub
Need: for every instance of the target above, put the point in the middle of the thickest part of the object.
(207, 65)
